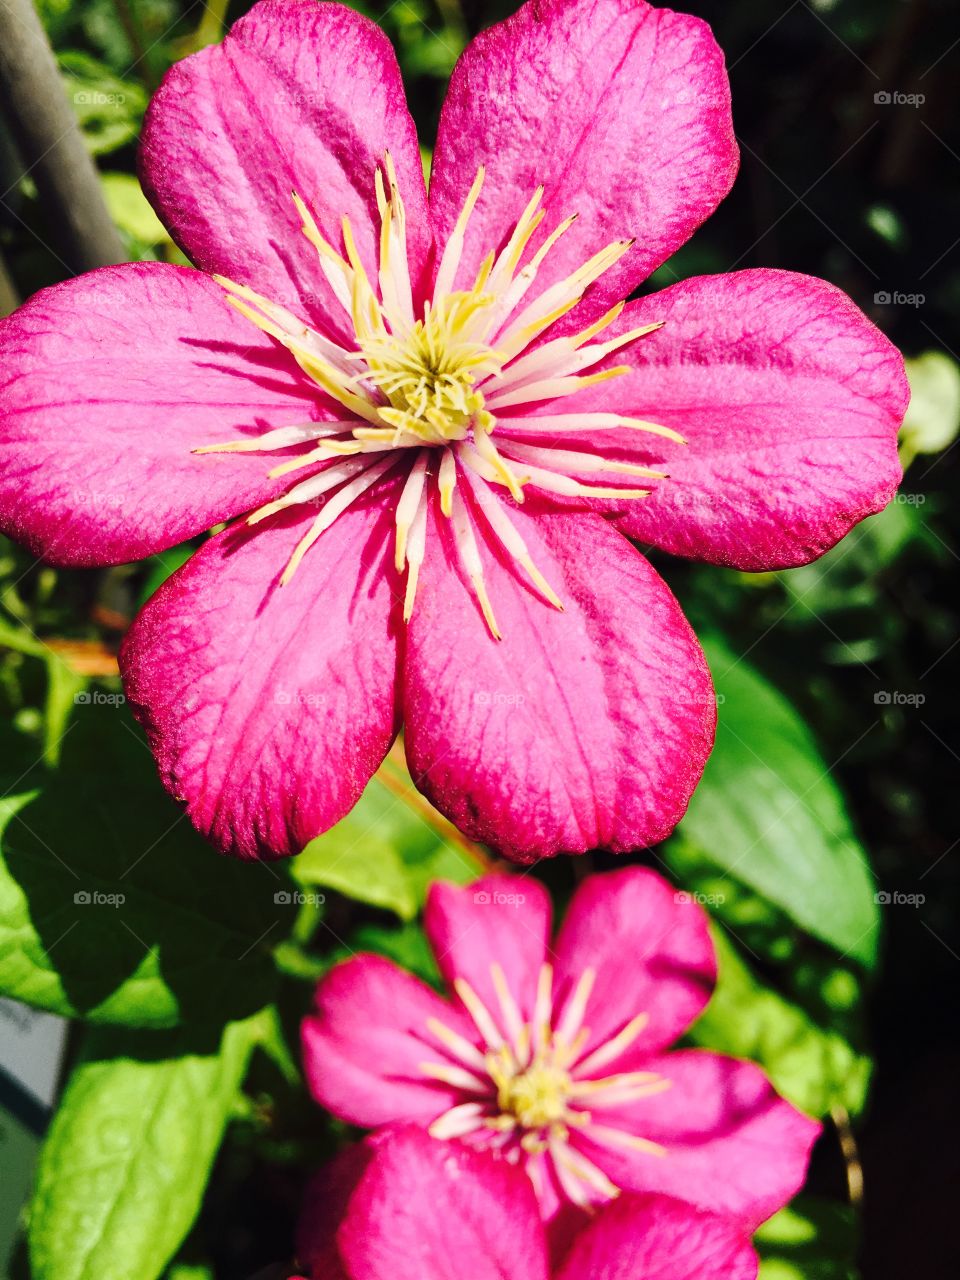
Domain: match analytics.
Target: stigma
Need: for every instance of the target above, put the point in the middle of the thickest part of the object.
(434, 394)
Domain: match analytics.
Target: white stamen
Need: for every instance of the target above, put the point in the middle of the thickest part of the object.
(416, 550)
(427, 385)
(466, 544)
(456, 1077)
(571, 1020)
(574, 460)
(511, 540)
(606, 1053)
(335, 507)
(408, 505)
(479, 1013)
(459, 1121)
(453, 251)
(457, 1044)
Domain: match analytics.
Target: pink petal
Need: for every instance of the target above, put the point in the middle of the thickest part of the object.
(110, 380)
(366, 1041)
(733, 1144)
(621, 111)
(299, 96)
(427, 1210)
(790, 400)
(579, 729)
(650, 950)
(659, 1239)
(502, 920)
(268, 708)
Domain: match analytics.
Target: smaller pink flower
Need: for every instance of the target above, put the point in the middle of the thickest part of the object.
(410, 1208)
(553, 1055)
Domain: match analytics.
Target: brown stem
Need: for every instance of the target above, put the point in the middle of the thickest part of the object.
(50, 142)
(851, 1154)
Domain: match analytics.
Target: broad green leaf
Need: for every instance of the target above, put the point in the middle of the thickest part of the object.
(828, 989)
(123, 1171)
(406, 946)
(131, 210)
(113, 909)
(815, 1069)
(812, 1239)
(383, 853)
(109, 108)
(768, 811)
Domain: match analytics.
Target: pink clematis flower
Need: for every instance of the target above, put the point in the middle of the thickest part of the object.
(554, 1055)
(436, 413)
(410, 1208)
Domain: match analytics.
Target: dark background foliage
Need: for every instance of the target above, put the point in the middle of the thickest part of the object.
(837, 181)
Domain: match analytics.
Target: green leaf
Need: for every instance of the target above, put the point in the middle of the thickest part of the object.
(113, 909)
(383, 853)
(109, 108)
(815, 1069)
(161, 566)
(812, 1239)
(407, 946)
(768, 811)
(123, 1171)
(932, 419)
(130, 208)
(828, 989)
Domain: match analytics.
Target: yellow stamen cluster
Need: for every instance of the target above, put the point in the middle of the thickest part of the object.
(530, 1082)
(422, 388)
(429, 374)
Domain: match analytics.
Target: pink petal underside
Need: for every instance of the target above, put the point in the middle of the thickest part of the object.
(621, 111)
(579, 729)
(650, 949)
(659, 1239)
(502, 920)
(268, 708)
(427, 1210)
(733, 1144)
(299, 96)
(367, 1039)
(790, 401)
(109, 381)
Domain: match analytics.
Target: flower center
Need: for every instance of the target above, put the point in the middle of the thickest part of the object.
(531, 1085)
(537, 1097)
(429, 373)
(420, 388)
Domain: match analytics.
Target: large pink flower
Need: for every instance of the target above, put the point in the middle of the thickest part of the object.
(439, 412)
(554, 1055)
(409, 1208)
